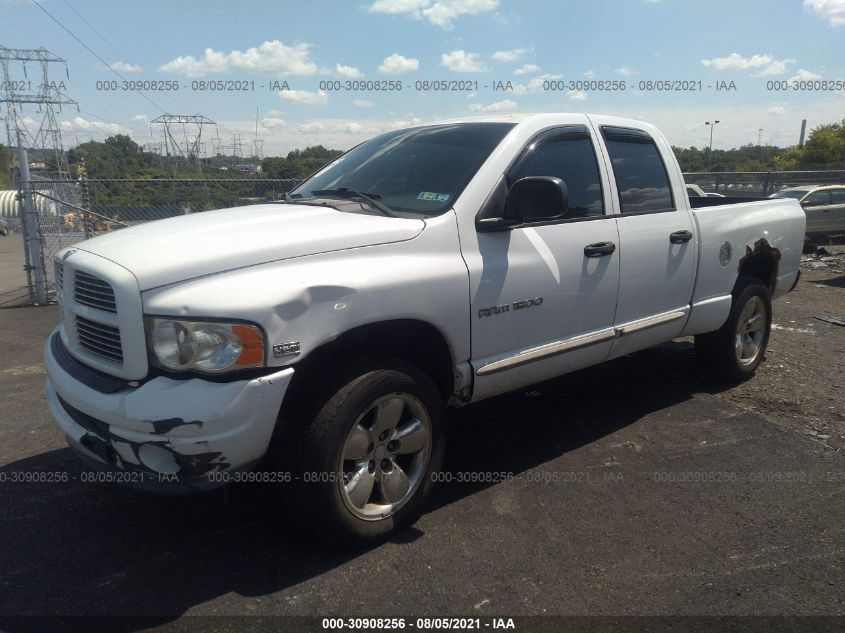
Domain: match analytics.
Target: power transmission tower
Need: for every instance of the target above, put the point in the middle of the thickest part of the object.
(183, 136)
(18, 90)
(29, 99)
(257, 144)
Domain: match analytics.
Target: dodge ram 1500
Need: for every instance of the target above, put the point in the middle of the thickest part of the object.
(324, 336)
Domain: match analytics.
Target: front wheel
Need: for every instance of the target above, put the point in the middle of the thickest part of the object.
(365, 462)
(736, 350)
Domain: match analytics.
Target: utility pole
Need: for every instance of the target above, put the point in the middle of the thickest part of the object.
(31, 236)
(710, 152)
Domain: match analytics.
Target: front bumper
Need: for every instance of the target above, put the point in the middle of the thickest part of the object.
(171, 434)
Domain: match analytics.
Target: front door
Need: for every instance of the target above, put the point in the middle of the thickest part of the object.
(541, 305)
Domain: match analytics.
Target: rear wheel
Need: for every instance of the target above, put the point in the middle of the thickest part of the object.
(364, 458)
(736, 350)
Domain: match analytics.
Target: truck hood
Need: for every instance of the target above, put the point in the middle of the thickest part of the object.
(198, 244)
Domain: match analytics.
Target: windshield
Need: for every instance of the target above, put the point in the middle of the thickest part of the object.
(419, 170)
(790, 194)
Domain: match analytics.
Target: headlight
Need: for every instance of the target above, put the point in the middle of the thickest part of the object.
(207, 347)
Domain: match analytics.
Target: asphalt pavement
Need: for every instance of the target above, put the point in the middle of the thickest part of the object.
(632, 488)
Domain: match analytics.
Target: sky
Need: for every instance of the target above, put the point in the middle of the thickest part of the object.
(299, 63)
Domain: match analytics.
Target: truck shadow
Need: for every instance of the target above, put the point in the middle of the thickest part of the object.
(85, 548)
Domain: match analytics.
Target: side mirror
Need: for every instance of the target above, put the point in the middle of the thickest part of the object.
(536, 198)
(529, 199)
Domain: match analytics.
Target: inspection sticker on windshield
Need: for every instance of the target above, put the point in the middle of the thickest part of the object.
(434, 197)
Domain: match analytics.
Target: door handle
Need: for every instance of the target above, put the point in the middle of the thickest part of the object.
(680, 237)
(599, 249)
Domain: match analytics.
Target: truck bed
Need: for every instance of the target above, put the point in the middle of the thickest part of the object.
(697, 202)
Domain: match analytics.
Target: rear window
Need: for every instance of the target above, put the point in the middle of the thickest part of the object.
(797, 195)
(641, 177)
(837, 196)
(819, 198)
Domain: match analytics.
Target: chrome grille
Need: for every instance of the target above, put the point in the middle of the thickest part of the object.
(93, 291)
(97, 338)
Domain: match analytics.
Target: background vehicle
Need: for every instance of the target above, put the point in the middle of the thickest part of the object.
(441, 264)
(694, 191)
(824, 206)
(4, 228)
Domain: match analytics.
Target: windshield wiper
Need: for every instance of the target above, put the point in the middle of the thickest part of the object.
(351, 194)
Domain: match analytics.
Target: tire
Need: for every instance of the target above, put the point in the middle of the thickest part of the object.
(735, 351)
(375, 430)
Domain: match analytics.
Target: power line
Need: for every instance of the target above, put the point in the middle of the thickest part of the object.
(102, 37)
(88, 48)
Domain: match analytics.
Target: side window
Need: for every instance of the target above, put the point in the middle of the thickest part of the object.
(819, 199)
(571, 158)
(640, 174)
(837, 196)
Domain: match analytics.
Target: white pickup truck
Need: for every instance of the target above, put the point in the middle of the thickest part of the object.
(317, 342)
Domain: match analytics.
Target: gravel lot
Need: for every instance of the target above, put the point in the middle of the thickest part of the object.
(638, 488)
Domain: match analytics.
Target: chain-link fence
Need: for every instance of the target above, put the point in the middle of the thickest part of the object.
(760, 184)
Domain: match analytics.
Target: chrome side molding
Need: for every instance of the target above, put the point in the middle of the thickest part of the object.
(545, 351)
(578, 342)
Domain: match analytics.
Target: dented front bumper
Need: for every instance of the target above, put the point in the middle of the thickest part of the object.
(169, 433)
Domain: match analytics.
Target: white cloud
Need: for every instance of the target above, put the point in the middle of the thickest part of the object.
(576, 95)
(777, 67)
(527, 69)
(624, 71)
(508, 56)
(589, 74)
(508, 105)
(397, 64)
(271, 122)
(350, 72)
(440, 13)
(125, 67)
(804, 75)
(305, 96)
(462, 62)
(536, 83)
(777, 110)
(81, 124)
(735, 61)
(363, 103)
(271, 57)
(831, 10)
(397, 6)
(765, 65)
(140, 117)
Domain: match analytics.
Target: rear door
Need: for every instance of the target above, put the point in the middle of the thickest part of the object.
(817, 206)
(825, 210)
(656, 241)
(837, 210)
